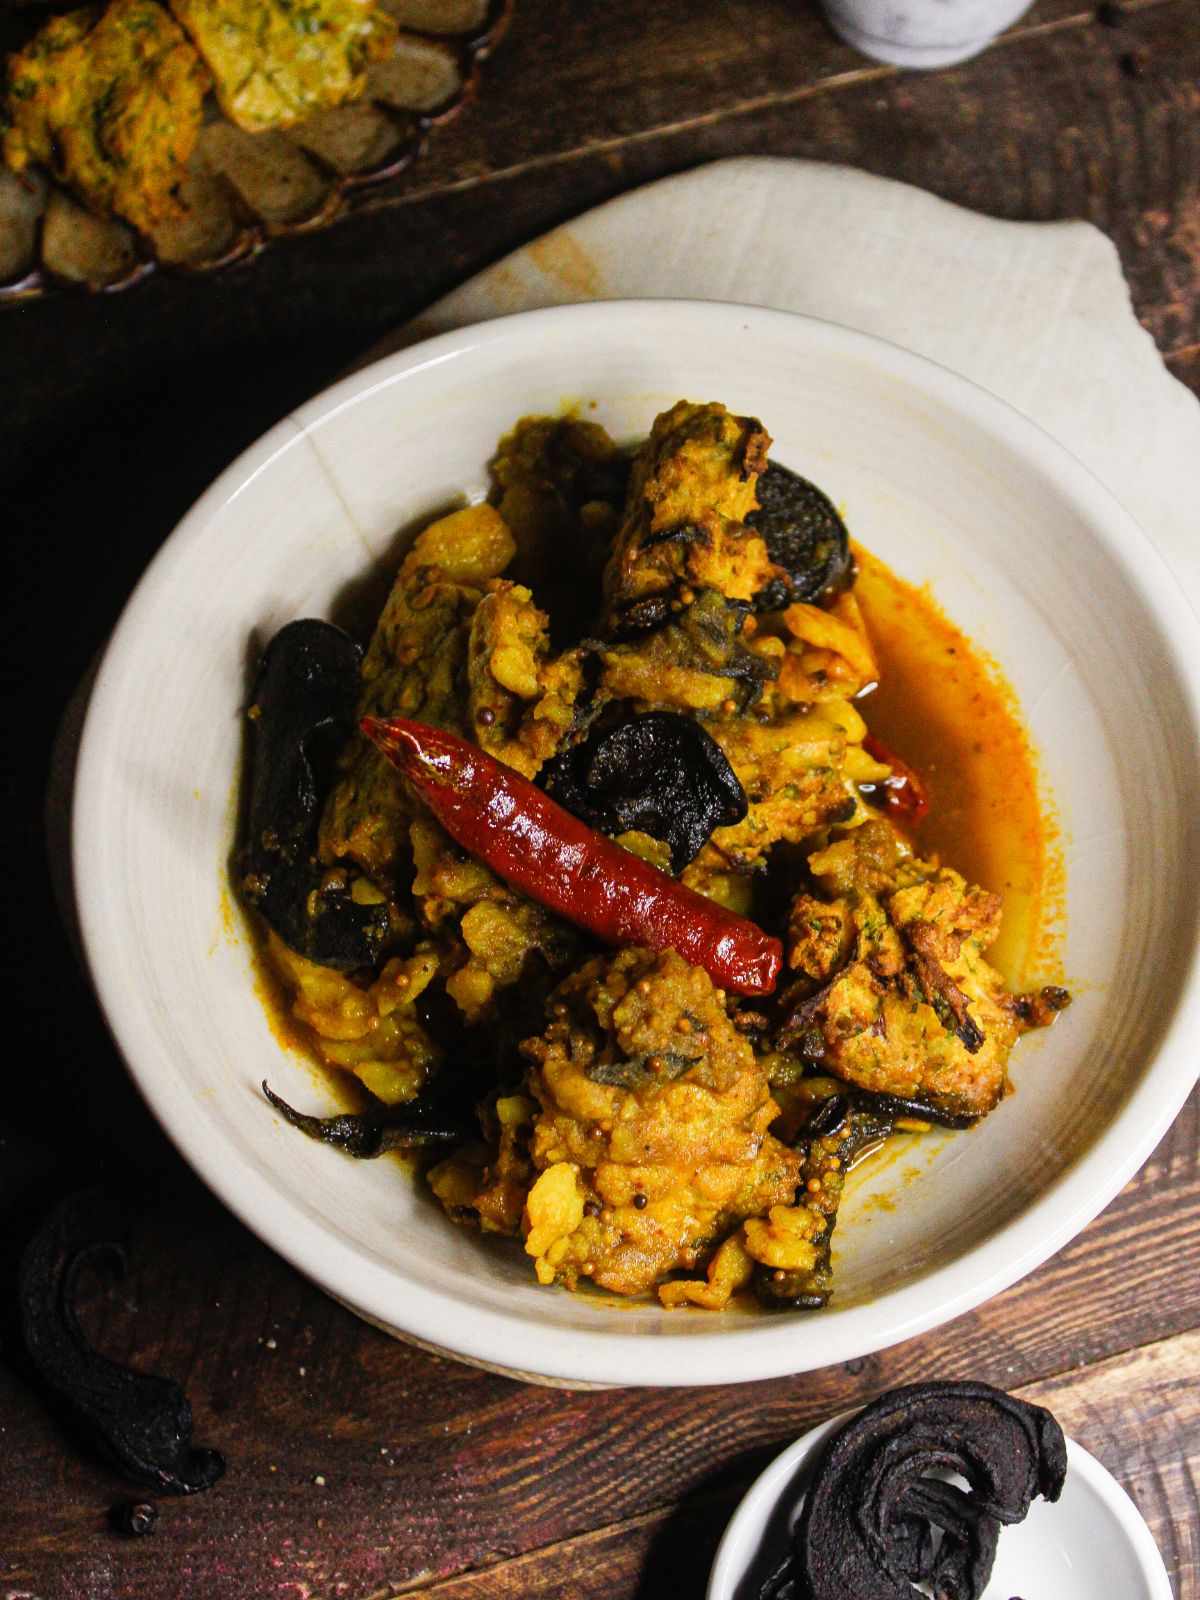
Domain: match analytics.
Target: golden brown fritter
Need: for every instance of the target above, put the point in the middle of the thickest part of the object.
(275, 62)
(415, 666)
(110, 102)
(793, 769)
(902, 999)
(460, 648)
(522, 697)
(685, 515)
(650, 1141)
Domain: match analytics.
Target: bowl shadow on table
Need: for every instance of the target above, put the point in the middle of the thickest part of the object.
(680, 1557)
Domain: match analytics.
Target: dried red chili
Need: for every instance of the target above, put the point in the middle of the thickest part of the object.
(904, 796)
(548, 854)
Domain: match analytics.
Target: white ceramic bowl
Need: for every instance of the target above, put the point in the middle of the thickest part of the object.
(1092, 1541)
(1023, 548)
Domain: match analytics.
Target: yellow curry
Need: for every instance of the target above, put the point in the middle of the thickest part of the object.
(625, 1119)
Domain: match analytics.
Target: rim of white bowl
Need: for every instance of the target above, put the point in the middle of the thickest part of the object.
(739, 1543)
(749, 1348)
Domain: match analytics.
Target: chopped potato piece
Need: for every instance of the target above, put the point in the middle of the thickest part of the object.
(728, 1271)
(784, 1240)
(555, 1210)
(522, 697)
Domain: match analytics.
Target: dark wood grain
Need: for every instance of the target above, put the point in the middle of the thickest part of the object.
(157, 391)
(116, 414)
(1139, 1413)
(431, 1468)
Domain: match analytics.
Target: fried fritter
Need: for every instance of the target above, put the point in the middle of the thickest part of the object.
(522, 697)
(275, 62)
(650, 1139)
(461, 648)
(415, 666)
(684, 522)
(110, 102)
(903, 1002)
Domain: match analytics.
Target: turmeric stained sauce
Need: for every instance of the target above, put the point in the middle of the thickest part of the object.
(943, 706)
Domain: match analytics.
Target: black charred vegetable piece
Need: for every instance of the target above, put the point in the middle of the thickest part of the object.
(139, 1422)
(305, 697)
(705, 636)
(660, 773)
(867, 1525)
(412, 1125)
(710, 635)
(805, 536)
(640, 1072)
(844, 1124)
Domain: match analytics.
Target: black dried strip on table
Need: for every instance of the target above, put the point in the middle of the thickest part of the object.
(878, 1493)
(659, 773)
(139, 1422)
(304, 700)
(804, 536)
(412, 1125)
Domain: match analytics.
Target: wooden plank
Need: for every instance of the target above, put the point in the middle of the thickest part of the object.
(1048, 126)
(612, 77)
(1069, 120)
(1139, 1413)
(431, 1468)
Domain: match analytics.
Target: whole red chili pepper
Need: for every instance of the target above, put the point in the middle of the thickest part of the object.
(905, 796)
(542, 850)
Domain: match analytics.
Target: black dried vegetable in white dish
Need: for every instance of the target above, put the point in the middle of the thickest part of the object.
(659, 773)
(882, 1512)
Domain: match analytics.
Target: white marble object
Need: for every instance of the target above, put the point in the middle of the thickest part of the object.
(921, 33)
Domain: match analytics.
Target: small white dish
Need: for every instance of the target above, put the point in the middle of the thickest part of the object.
(1023, 549)
(1093, 1541)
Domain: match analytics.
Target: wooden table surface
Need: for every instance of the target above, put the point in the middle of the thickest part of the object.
(359, 1467)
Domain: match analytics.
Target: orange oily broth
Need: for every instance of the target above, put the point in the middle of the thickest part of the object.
(944, 706)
